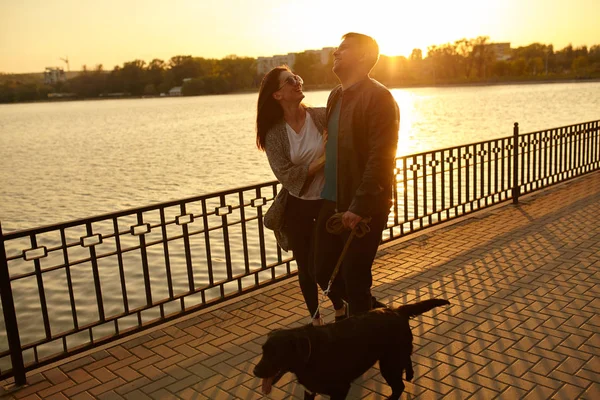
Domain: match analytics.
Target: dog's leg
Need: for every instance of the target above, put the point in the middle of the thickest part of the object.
(340, 394)
(410, 373)
(309, 396)
(392, 373)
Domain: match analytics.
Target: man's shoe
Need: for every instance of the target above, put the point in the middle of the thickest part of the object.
(342, 317)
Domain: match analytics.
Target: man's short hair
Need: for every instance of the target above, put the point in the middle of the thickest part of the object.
(368, 44)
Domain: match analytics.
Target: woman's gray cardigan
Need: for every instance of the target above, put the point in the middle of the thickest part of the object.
(293, 178)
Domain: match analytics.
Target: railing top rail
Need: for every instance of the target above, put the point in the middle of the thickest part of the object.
(492, 140)
(454, 147)
(117, 214)
(559, 127)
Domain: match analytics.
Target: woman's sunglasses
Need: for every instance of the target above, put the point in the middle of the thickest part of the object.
(293, 80)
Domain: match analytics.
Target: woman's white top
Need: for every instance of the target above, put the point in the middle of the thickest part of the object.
(305, 147)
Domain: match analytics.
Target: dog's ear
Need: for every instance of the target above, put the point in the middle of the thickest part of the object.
(303, 348)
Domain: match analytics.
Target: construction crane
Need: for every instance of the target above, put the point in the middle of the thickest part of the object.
(66, 60)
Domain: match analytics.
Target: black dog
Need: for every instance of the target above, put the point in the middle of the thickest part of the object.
(326, 359)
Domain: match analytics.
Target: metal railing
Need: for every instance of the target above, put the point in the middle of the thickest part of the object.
(72, 286)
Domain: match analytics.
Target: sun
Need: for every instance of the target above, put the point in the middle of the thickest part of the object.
(399, 26)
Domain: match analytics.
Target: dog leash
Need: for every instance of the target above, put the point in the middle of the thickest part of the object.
(335, 226)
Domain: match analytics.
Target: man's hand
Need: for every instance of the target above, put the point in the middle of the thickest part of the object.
(350, 220)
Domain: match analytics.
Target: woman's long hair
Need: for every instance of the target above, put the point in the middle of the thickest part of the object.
(268, 109)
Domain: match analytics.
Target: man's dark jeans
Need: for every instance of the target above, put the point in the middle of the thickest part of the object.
(354, 280)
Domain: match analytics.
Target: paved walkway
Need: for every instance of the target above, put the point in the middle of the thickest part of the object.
(524, 283)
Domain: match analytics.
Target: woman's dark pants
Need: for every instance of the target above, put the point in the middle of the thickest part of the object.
(300, 221)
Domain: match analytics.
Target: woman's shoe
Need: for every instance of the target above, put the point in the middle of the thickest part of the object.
(376, 303)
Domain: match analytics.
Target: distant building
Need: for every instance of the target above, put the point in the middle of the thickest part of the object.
(265, 64)
(501, 51)
(175, 91)
(323, 54)
(53, 75)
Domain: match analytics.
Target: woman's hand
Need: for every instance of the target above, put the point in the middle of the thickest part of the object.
(316, 165)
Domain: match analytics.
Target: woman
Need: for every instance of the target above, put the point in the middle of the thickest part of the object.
(292, 136)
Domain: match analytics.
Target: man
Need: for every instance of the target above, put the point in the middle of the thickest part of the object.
(362, 124)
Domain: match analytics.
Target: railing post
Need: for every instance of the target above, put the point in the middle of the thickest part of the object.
(10, 318)
(515, 187)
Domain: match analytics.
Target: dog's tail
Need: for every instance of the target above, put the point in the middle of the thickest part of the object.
(412, 310)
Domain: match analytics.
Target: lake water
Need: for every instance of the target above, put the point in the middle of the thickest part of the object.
(70, 160)
(67, 160)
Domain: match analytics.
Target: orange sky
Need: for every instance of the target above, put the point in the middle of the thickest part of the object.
(34, 34)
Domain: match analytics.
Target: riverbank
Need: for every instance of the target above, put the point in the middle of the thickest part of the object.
(313, 88)
(466, 84)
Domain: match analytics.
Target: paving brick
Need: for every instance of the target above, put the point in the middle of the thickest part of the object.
(80, 375)
(515, 381)
(201, 371)
(146, 361)
(431, 384)
(28, 390)
(82, 387)
(542, 380)
(159, 384)
(568, 392)
(245, 393)
(164, 351)
(151, 372)
(191, 394)
(569, 378)
(539, 392)
(592, 392)
(104, 375)
(141, 351)
(124, 362)
(55, 389)
(182, 384)
(100, 355)
(545, 366)
(137, 395)
(511, 393)
(105, 387)
(57, 396)
(127, 374)
(77, 363)
(30, 397)
(110, 395)
(207, 383)
(133, 385)
(163, 394)
(169, 361)
(83, 396)
(56, 376)
(99, 364)
(119, 352)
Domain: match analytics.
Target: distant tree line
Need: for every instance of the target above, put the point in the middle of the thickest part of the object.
(195, 76)
(464, 61)
(468, 61)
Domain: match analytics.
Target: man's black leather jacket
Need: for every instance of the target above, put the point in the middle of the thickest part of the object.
(366, 147)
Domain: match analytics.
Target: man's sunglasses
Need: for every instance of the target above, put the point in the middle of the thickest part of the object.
(293, 80)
